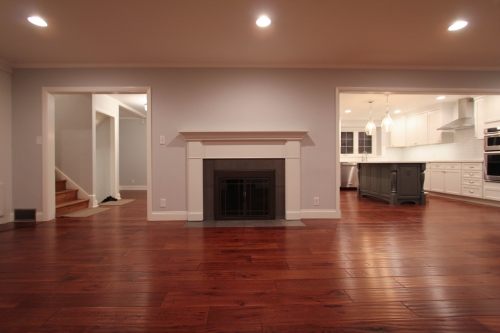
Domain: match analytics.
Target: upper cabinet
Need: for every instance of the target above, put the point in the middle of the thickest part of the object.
(421, 129)
(479, 118)
(491, 109)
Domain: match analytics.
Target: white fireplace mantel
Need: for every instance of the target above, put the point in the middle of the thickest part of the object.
(243, 144)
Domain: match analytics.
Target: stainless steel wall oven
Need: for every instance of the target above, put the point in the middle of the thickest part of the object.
(492, 154)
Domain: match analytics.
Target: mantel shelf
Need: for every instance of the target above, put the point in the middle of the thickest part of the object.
(244, 135)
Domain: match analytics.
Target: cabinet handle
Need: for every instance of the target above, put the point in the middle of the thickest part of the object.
(471, 191)
(471, 174)
(471, 166)
(452, 166)
(471, 181)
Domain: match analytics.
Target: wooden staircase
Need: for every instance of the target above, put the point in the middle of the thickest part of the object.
(67, 200)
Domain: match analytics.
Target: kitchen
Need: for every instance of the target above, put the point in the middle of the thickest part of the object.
(453, 155)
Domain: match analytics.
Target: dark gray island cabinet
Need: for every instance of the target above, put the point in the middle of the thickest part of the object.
(394, 182)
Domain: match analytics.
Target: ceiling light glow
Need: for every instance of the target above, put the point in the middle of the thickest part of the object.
(441, 97)
(397, 111)
(457, 25)
(347, 111)
(36, 20)
(263, 21)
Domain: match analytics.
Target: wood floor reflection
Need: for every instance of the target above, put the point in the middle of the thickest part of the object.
(432, 268)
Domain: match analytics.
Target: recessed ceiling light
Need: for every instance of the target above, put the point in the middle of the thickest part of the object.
(347, 111)
(457, 25)
(441, 97)
(397, 111)
(263, 21)
(36, 20)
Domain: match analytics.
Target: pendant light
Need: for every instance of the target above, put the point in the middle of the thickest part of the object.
(370, 127)
(387, 121)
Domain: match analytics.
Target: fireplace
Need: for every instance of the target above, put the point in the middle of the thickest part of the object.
(244, 195)
(284, 145)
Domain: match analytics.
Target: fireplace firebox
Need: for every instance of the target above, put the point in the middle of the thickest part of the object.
(244, 194)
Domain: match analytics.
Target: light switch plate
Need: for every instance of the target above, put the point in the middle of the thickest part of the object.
(162, 139)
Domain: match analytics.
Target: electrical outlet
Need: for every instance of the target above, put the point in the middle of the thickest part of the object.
(316, 201)
(162, 139)
(163, 203)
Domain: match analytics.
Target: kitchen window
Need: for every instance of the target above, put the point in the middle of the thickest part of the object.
(355, 143)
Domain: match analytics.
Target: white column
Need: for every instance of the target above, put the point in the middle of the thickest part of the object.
(292, 180)
(195, 181)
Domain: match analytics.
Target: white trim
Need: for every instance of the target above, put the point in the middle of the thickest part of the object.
(168, 216)
(93, 201)
(243, 135)
(479, 201)
(320, 214)
(39, 216)
(48, 149)
(133, 187)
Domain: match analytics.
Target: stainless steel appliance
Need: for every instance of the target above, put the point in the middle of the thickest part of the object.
(492, 154)
(492, 139)
(349, 175)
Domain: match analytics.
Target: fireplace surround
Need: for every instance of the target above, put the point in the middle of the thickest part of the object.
(243, 145)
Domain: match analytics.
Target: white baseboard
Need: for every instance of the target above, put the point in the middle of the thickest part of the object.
(197, 216)
(480, 201)
(133, 188)
(168, 216)
(320, 214)
(93, 201)
(289, 215)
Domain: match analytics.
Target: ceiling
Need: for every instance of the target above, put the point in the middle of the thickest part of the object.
(359, 104)
(222, 33)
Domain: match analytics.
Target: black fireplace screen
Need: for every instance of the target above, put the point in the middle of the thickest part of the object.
(241, 195)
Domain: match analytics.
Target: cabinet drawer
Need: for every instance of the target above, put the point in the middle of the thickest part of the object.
(472, 181)
(453, 166)
(472, 191)
(472, 166)
(472, 174)
(491, 191)
(438, 166)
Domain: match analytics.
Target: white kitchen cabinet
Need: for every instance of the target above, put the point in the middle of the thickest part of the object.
(398, 133)
(446, 178)
(416, 130)
(491, 191)
(479, 118)
(435, 119)
(491, 109)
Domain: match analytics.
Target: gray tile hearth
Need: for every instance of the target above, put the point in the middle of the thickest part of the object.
(244, 224)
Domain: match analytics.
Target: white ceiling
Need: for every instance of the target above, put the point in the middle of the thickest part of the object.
(303, 33)
(359, 104)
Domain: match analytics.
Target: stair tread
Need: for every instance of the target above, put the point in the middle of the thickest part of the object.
(72, 202)
(66, 191)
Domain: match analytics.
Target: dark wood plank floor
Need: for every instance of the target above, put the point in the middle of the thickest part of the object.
(433, 268)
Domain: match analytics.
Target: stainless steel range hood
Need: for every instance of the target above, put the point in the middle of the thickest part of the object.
(465, 116)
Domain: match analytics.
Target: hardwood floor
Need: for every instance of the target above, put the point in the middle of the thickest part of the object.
(432, 268)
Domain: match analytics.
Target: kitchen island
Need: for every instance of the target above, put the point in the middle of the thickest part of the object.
(394, 182)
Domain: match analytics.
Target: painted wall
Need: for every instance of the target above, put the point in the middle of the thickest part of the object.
(133, 154)
(188, 99)
(73, 138)
(5, 147)
(103, 158)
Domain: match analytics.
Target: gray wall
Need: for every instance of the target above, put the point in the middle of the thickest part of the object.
(73, 138)
(133, 153)
(103, 158)
(188, 99)
(6, 146)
